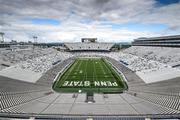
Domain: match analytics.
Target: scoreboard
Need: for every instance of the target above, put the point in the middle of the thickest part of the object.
(89, 39)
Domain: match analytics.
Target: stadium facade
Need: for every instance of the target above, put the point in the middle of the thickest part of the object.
(150, 71)
(164, 41)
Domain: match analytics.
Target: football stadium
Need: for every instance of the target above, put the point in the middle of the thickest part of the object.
(89, 59)
(88, 79)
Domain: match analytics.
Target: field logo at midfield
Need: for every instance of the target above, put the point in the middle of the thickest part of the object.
(87, 83)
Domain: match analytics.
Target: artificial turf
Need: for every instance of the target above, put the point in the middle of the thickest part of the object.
(90, 75)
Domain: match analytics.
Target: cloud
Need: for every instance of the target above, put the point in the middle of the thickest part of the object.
(85, 18)
(168, 15)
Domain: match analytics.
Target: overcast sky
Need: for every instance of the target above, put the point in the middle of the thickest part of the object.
(70, 20)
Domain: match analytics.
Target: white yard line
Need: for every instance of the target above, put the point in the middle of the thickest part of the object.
(101, 67)
(108, 70)
(72, 67)
(85, 71)
(94, 70)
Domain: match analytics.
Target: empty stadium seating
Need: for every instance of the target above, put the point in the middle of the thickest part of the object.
(159, 97)
(9, 57)
(43, 63)
(166, 55)
(89, 46)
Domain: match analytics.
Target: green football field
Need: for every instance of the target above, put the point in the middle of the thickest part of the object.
(90, 75)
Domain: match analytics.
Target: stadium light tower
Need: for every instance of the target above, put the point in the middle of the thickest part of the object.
(2, 37)
(35, 39)
(35, 42)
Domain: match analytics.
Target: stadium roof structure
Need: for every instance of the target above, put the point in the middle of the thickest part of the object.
(164, 41)
(172, 37)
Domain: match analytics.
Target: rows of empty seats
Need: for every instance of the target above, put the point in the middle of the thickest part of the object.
(10, 100)
(166, 55)
(43, 63)
(11, 95)
(165, 93)
(169, 87)
(14, 92)
(48, 78)
(169, 101)
(136, 63)
(90, 54)
(9, 57)
(9, 86)
(23, 97)
(89, 46)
